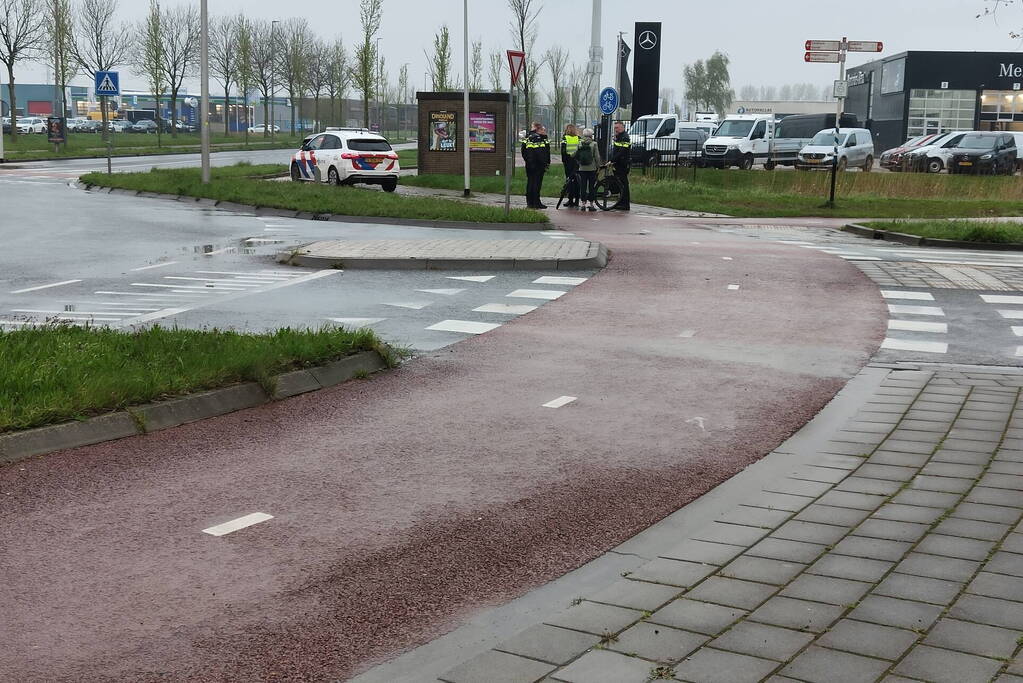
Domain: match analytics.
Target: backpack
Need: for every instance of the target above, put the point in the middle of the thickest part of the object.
(584, 155)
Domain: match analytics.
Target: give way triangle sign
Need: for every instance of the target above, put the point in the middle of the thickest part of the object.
(516, 59)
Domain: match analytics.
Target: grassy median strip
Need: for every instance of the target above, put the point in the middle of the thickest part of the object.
(91, 145)
(1006, 232)
(240, 184)
(790, 193)
(57, 373)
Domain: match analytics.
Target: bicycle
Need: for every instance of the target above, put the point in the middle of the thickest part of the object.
(608, 189)
(569, 181)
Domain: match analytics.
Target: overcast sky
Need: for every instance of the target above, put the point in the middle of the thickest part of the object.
(763, 39)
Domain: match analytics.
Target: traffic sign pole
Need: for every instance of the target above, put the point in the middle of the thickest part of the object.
(516, 59)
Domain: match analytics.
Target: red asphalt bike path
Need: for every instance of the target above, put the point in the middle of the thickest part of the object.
(405, 504)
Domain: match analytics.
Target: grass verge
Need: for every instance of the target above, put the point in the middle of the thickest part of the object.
(964, 231)
(239, 184)
(788, 193)
(91, 145)
(57, 373)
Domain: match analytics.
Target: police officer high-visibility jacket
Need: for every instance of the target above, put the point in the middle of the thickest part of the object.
(569, 144)
(536, 151)
(621, 151)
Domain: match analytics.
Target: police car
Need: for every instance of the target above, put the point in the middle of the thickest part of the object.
(343, 156)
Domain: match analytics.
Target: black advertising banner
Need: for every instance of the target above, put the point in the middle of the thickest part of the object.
(624, 85)
(443, 131)
(646, 72)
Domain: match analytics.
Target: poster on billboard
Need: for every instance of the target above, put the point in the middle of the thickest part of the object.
(482, 131)
(443, 131)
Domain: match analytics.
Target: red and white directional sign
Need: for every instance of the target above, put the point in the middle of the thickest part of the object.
(516, 59)
(865, 46)
(832, 57)
(823, 45)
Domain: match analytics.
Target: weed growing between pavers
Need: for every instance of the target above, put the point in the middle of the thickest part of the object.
(57, 373)
(241, 184)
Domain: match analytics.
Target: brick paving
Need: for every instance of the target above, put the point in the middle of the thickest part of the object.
(911, 274)
(898, 556)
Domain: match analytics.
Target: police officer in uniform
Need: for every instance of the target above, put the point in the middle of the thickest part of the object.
(536, 152)
(621, 157)
(569, 145)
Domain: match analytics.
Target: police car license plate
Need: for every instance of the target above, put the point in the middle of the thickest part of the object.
(373, 160)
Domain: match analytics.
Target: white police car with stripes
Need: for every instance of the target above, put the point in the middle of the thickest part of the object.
(343, 156)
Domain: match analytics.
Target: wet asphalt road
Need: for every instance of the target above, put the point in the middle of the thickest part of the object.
(115, 260)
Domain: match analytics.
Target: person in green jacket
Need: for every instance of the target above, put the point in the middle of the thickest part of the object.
(569, 144)
(587, 159)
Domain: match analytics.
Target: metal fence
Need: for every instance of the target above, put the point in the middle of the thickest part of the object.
(667, 158)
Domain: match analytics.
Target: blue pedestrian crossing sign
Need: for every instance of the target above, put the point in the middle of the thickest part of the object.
(108, 84)
(608, 101)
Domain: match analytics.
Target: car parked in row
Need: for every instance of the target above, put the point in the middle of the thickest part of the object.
(855, 149)
(31, 124)
(343, 156)
(143, 126)
(262, 127)
(891, 159)
(988, 153)
(933, 156)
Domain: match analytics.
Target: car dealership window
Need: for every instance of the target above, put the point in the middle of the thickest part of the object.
(938, 111)
(893, 76)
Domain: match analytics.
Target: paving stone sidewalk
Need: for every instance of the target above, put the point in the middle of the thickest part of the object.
(896, 556)
(439, 253)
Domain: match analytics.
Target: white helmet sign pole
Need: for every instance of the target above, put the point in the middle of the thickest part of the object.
(834, 52)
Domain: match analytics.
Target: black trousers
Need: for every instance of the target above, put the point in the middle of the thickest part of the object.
(571, 168)
(534, 181)
(623, 178)
(588, 185)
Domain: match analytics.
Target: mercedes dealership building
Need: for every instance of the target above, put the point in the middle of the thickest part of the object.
(916, 93)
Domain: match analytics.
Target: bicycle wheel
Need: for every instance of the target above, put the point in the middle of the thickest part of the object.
(609, 193)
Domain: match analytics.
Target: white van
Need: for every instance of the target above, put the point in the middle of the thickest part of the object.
(740, 140)
(707, 127)
(855, 150)
(654, 136)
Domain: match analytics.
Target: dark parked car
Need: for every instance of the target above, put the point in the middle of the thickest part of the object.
(181, 126)
(143, 126)
(992, 153)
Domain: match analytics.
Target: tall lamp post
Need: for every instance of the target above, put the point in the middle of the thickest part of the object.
(204, 77)
(465, 101)
(273, 79)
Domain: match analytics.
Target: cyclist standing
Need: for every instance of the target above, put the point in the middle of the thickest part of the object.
(569, 144)
(536, 152)
(621, 157)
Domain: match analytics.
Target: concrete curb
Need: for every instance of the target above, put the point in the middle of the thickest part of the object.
(917, 241)
(305, 215)
(596, 257)
(154, 417)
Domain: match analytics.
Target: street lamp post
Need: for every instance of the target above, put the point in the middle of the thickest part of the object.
(204, 77)
(465, 94)
(273, 81)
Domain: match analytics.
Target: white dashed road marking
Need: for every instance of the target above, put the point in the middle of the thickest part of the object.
(908, 345)
(1001, 299)
(915, 310)
(155, 265)
(688, 334)
(916, 296)
(472, 278)
(237, 524)
(733, 287)
(917, 326)
(507, 309)
(414, 305)
(559, 280)
(467, 326)
(548, 294)
(357, 322)
(1011, 315)
(558, 402)
(36, 289)
(445, 292)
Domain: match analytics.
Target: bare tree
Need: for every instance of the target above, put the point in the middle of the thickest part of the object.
(318, 75)
(557, 62)
(578, 87)
(224, 60)
(100, 44)
(21, 37)
(293, 59)
(262, 67)
(364, 69)
(749, 93)
(403, 94)
(60, 30)
(147, 59)
(476, 67)
(496, 70)
(524, 29)
(438, 64)
(180, 52)
(338, 78)
(246, 77)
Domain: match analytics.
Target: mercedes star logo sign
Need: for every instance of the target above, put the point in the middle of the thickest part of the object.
(647, 40)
